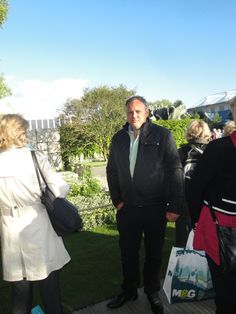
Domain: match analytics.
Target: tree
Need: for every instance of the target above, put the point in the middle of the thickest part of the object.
(98, 115)
(3, 11)
(4, 89)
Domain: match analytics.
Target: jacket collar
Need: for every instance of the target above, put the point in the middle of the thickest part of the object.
(145, 128)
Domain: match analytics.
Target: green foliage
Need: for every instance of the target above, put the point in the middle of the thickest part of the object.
(84, 185)
(98, 115)
(98, 217)
(4, 89)
(217, 118)
(177, 128)
(88, 186)
(195, 116)
(3, 11)
(94, 204)
(74, 143)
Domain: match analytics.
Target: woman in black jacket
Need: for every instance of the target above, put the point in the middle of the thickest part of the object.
(198, 136)
(213, 184)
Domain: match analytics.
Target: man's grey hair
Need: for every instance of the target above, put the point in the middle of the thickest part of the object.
(136, 97)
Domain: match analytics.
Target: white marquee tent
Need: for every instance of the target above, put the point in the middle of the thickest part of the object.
(218, 98)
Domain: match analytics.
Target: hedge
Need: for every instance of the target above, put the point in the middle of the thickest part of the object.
(177, 128)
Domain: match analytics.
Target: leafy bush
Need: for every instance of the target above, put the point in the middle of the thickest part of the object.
(177, 128)
(84, 185)
(98, 217)
(93, 203)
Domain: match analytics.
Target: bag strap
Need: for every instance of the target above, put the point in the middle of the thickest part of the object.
(189, 244)
(197, 149)
(38, 171)
(233, 138)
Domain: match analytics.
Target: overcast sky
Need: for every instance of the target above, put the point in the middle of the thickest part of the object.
(52, 50)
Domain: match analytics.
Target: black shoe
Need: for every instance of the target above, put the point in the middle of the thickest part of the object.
(120, 300)
(156, 303)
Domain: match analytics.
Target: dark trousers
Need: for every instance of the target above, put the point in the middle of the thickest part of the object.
(225, 289)
(22, 294)
(182, 229)
(132, 223)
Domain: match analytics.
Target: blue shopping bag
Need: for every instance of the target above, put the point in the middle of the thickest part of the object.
(37, 310)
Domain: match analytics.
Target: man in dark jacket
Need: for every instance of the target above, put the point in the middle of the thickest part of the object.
(145, 180)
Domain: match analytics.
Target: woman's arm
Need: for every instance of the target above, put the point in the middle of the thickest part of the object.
(54, 180)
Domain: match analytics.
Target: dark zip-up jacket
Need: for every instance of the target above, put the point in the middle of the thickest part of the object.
(158, 176)
(214, 179)
(183, 154)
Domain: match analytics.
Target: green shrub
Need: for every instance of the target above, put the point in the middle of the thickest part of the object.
(98, 217)
(84, 185)
(93, 203)
(177, 128)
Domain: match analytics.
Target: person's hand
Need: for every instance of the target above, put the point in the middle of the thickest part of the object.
(172, 217)
(119, 206)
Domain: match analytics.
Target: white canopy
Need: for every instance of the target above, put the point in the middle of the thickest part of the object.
(222, 97)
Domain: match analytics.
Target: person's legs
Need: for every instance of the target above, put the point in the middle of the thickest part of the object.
(225, 289)
(22, 293)
(154, 235)
(50, 293)
(181, 231)
(129, 226)
(130, 232)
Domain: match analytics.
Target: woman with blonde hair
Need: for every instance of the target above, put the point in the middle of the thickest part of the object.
(198, 136)
(31, 250)
(229, 128)
(212, 193)
(198, 132)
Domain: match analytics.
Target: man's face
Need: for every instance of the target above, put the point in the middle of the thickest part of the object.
(137, 114)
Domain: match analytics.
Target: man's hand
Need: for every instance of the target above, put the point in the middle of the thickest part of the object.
(119, 206)
(172, 217)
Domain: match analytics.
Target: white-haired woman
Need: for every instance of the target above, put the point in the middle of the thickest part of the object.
(198, 136)
(31, 250)
(213, 185)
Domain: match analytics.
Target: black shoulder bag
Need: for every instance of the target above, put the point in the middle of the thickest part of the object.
(227, 244)
(63, 214)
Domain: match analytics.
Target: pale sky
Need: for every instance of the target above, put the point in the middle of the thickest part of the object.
(51, 50)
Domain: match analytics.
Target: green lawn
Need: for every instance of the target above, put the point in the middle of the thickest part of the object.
(93, 163)
(94, 273)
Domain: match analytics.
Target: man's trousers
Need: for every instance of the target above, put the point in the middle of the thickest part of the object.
(133, 222)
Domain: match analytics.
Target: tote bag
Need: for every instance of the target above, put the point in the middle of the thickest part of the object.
(187, 277)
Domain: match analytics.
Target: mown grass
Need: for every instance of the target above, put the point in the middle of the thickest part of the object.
(93, 163)
(94, 273)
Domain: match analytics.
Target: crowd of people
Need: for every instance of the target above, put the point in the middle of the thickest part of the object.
(150, 183)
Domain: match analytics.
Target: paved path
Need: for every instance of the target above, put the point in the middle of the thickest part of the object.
(141, 306)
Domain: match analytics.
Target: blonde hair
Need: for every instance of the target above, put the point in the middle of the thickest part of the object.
(13, 131)
(198, 130)
(229, 128)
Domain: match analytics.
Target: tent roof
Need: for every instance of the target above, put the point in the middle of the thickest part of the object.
(216, 98)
